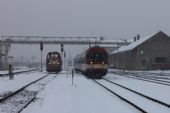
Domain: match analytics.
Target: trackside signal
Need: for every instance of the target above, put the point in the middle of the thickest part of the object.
(62, 48)
(41, 46)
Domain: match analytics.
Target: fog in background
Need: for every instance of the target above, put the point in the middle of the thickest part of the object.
(30, 52)
(114, 19)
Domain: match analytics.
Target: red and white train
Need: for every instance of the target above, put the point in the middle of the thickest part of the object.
(93, 62)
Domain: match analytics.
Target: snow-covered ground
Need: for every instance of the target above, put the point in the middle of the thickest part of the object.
(151, 71)
(84, 96)
(157, 91)
(17, 69)
(19, 81)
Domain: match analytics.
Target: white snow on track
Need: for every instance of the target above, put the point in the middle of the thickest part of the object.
(157, 91)
(144, 103)
(60, 96)
(15, 70)
(19, 81)
(85, 96)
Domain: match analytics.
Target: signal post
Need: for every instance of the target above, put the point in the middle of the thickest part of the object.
(41, 49)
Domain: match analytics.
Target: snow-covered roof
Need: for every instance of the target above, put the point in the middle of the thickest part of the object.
(134, 44)
(108, 45)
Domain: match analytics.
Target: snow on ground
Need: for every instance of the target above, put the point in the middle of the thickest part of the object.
(60, 96)
(149, 106)
(151, 71)
(17, 69)
(157, 91)
(84, 96)
(20, 80)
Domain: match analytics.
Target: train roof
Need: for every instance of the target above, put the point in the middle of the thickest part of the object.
(54, 52)
(95, 47)
(88, 49)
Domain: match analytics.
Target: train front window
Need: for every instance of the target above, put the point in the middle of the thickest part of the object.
(97, 56)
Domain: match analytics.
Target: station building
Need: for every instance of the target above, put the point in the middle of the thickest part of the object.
(147, 53)
(109, 49)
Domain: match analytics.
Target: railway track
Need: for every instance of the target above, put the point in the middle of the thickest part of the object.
(134, 98)
(147, 79)
(21, 98)
(122, 98)
(161, 74)
(15, 73)
(161, 77)
(158, 76)
(145, 96)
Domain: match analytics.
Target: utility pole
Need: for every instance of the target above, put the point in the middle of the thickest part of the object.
(33, 58)
(41, 49)
(22, 60)
(72, 76)
(62, 52)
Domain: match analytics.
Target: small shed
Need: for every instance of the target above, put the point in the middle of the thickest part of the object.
(147, 53)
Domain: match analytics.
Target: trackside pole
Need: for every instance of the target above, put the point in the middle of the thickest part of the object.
(67, 72)
(11, 75)
(41, 61)
(72, 76)
(41, 49)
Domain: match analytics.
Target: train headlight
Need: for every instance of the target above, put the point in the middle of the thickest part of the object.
(58, 63)
(102, 62)
(49, 63)
(91, 62)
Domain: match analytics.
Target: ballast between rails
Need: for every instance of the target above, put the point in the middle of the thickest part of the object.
(27, 104)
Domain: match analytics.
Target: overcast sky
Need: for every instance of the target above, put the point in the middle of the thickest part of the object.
(116, 19)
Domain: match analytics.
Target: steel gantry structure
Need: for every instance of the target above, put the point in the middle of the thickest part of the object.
(61, 40)
(6, 41)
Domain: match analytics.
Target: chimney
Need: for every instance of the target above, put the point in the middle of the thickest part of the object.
(138, 37)
(135, 39)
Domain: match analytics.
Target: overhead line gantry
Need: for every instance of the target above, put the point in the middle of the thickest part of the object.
(61, 40)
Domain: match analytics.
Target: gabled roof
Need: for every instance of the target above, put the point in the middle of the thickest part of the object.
(136, 43)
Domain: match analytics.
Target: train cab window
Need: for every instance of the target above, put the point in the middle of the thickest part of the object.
(97, 56)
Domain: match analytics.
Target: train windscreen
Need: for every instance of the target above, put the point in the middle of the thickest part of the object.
(95, 56)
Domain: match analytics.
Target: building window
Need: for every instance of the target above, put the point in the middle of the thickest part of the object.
(160, 59)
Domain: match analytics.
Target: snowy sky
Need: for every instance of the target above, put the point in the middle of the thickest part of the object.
(116, 19)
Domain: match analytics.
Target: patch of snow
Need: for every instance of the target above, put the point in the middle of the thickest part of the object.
(19, 81)
(84, 96)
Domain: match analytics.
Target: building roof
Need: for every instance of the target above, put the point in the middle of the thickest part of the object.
(135, 44)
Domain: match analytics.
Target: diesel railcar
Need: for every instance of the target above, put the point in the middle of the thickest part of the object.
(93, 62)
(53, 62)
